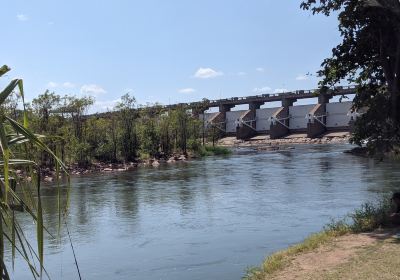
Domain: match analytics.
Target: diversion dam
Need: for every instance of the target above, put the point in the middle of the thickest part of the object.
(277, 122)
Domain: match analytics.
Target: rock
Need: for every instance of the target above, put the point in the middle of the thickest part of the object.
(121, 169)
(48, 179)
(155, 163)
(171, 159)
(131, 167)
(182, 157)
(107, 169)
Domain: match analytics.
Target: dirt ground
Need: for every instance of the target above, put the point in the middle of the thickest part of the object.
(355, 256)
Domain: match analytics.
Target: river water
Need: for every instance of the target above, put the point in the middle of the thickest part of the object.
(205, 219)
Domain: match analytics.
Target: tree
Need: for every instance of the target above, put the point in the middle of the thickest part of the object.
(180, 125)
(128, 116)
(43, 105)
(201, 108)
(369, 57)
(77, 107)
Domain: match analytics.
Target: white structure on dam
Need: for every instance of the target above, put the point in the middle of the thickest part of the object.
(313, 119)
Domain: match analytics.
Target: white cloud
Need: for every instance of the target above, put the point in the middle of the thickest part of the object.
(260, 69)
(280, 90)
(104, 106)
(187, 90)
(262, 90)
(207, 73)
(302, 77)
(52, 84)
(92, 89)
(68, 85)
(241, 73)
(22, 17)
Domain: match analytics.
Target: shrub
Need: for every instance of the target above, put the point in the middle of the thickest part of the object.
(213, 151)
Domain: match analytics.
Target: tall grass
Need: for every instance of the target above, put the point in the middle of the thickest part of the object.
(368, 217)
(18, 146)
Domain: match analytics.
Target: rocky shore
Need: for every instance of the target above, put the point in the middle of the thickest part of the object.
(265, 141)
(260, 143)
(49, 175)
(118, 167)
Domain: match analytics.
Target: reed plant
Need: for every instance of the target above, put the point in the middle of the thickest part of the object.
(20, 183)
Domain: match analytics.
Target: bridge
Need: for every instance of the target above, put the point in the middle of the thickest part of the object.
(313, 119)
(277, 122)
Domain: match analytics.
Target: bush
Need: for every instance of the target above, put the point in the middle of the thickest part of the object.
(213, 151)
(371, 216)
(194, 145)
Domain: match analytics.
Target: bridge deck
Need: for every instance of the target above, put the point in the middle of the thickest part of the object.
(299, 94)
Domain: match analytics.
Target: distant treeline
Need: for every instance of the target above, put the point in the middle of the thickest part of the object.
(124, 134)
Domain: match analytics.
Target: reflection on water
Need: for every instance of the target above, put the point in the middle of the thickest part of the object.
(206, 219)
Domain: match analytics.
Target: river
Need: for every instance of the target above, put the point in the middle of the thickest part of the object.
(208, 218)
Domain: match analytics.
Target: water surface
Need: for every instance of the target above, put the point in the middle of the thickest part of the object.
(206, 219)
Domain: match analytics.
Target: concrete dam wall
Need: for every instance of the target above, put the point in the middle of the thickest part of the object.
(313, 119)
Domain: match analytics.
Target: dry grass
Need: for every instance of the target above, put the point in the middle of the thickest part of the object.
(373, 255)
(281, 259)
(379, 261)
(367, 218)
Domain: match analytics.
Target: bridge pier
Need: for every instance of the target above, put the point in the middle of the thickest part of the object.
(248, 127)
(280, 120)
(316, 125)
(223, 108)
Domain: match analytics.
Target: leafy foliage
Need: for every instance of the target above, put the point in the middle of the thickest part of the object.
(369, 57)
(125, 133)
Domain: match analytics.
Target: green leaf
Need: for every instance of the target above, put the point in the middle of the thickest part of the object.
(35, 140)
(21, 92)
(4, 69)
(20, 139)
(8, 90)
(39, 224)
(6, 157)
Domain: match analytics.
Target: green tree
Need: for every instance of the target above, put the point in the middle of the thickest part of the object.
(128, 116)
(43, 105)
(369, 57)
(77, 107)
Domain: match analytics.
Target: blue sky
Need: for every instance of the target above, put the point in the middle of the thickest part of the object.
(163, 51)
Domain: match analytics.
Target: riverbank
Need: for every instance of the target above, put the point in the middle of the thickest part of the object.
(372, 255)
(367, 247)
(264, 140)
(49, 175)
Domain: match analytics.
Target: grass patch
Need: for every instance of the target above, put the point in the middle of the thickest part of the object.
(213, 151)
(379, 261)
(282, 258)
(367, 218)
